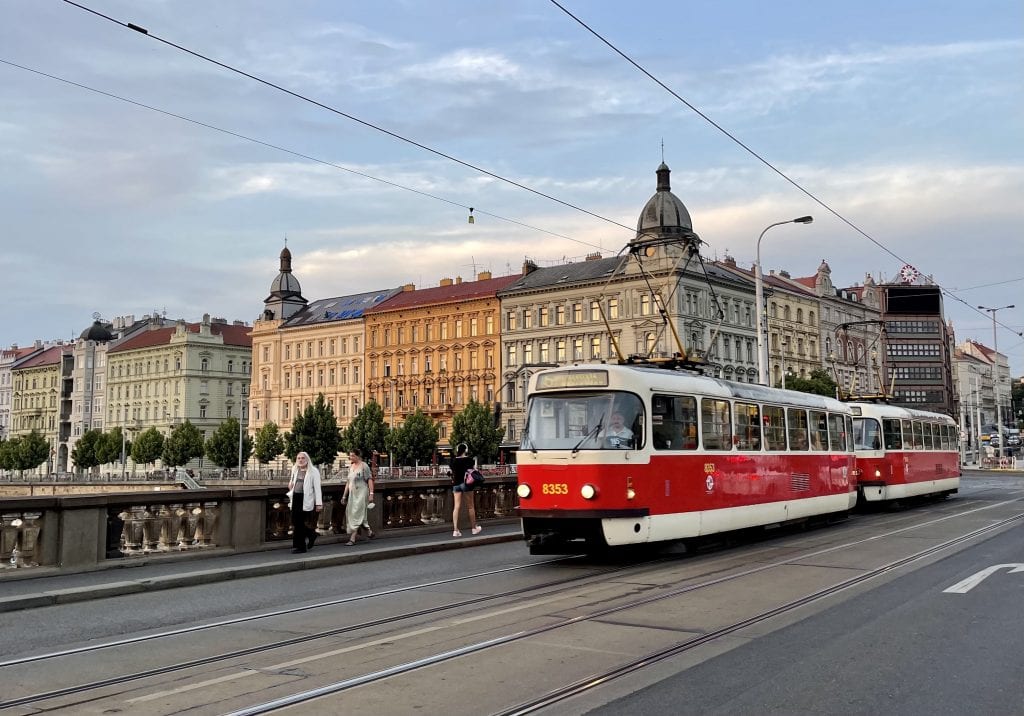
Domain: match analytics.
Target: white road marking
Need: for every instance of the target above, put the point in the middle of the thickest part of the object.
(966, 585)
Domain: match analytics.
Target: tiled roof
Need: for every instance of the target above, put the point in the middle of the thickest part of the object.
(809, 281)
(339, 308)
(578, 272)
(233, 336)
(51, 356)
(465, 291)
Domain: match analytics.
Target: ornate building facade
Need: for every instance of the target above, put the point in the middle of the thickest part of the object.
(435, 349)
(159, 377)
(556, 315)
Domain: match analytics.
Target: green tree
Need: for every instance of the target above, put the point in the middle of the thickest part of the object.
(7, 449)
(269, 443)
(108, 447)
(474, 425)
(185, 443)
(85, 453)
(414, 440)
(148, 447)
(222, 446)
(367, 431)
(315, 432)
(26, 452)
(819, 382)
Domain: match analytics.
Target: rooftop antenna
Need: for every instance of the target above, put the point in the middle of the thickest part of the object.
(662, 150)
(473, 264)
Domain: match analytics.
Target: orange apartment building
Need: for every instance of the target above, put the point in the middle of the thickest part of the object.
(435, 349)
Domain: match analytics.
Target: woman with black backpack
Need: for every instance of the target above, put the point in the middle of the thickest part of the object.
(461, 464)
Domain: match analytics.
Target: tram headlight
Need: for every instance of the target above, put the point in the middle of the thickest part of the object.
(630, 493)
(588, 491)
(523, 490)
(878, 473)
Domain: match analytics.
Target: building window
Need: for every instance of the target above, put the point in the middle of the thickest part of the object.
(595, 348)
(472, 328)
(645, 305)
(544, 316)
(613, 308)
(559, 315)
(577, 313)
(560, 350)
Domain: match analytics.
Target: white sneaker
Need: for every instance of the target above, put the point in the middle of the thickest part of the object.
(456, 533)
(477, 530)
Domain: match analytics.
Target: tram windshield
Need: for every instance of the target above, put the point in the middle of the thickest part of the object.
(606, 420)
(867, 435)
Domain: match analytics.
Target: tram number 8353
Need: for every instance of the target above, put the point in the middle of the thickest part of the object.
(554, 488)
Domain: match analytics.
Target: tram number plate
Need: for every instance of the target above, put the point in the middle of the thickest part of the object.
(554, 488)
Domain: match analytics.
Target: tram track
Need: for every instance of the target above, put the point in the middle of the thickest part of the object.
(573, 582)
(593, 681)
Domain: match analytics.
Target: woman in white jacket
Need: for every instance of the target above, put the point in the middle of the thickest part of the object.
(304, 485)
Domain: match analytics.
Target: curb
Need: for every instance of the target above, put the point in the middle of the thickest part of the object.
(211, 576)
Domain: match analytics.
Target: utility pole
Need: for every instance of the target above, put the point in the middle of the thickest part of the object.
(995, 373)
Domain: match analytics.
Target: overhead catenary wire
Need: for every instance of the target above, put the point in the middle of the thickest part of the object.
(286, 150)
(813, 197)
(341, 113)
(143, 31)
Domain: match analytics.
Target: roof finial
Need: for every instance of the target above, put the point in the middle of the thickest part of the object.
(663, 150)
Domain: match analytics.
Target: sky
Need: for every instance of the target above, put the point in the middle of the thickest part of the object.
(904, 119)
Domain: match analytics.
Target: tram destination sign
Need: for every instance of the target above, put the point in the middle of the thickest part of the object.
(573, 379)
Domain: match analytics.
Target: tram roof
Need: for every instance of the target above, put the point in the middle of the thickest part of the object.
(882, 410)
(678, 381)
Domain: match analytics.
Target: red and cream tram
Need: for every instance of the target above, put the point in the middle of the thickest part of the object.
(627, 454)
(904, 453)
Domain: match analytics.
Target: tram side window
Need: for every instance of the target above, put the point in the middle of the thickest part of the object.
(918, 435)
(849, 432)
(940, 437)
(716, 424)
(891, 431)
(748, 426)
(819, 430)
(908, 434)
(948, 441)
(797, 423)
(866, 434)
(675, 422)
(931, 436)
(836, 441)
(774, 427)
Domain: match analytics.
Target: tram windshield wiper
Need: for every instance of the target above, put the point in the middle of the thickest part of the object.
(526, 436)
(592, 433)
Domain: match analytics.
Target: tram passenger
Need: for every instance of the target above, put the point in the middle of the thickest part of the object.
(799, 439)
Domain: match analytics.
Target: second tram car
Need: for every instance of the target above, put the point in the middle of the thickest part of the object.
(628, 454)
(904, 453)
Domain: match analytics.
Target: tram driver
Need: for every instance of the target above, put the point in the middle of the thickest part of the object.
(618, 435)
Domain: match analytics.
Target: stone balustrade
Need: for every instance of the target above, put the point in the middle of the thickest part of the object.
(82, 531)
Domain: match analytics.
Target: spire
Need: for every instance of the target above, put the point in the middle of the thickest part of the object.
(663, 172)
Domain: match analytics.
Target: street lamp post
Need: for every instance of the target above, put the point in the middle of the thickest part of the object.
(241, 434)
(391, 453)
(995, 373)
(762, 327)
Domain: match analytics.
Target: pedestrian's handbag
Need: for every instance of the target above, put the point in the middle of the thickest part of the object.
(474, 477)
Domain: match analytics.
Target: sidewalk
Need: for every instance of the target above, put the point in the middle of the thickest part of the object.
(44, 586)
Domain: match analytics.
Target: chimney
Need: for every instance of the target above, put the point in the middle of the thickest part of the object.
(410, 287)
(784, 273)
(445, 282)
(528, 267)
(238, 323)
(594, 256)
(483, 276)
(458, 280)
(729, 261)
(218, 320)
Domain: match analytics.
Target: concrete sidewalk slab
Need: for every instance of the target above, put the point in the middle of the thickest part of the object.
(51, 587)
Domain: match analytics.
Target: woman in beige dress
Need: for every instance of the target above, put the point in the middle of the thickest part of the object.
(358, 494)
